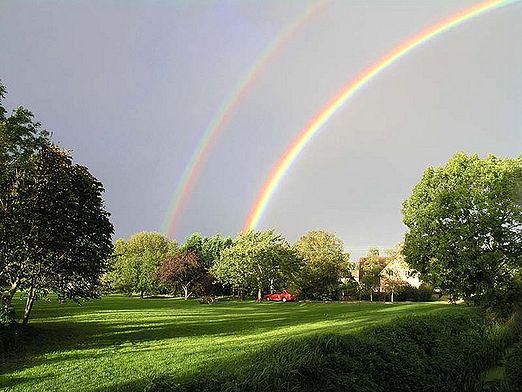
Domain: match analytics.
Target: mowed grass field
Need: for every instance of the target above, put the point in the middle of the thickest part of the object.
(117, 341)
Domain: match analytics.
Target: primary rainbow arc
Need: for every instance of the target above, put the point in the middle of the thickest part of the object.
(304, 137)
(200, 153)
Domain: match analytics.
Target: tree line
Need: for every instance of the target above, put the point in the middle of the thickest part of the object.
(255, 262)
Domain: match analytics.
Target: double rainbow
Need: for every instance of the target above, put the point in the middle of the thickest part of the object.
(314, 125)
(236, 97)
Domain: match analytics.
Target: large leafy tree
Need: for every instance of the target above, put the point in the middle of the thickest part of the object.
(257, 261)
(324, 263)
(136, 262)
(465, 229)
(184, 269)
(55, 234)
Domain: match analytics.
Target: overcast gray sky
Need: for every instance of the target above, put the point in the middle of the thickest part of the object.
(130, 87)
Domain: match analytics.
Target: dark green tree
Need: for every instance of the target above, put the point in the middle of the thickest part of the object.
(323, 263)
(55, 234)
(465, 229)
(208, 248)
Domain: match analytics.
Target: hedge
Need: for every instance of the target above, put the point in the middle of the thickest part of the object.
(433, 353)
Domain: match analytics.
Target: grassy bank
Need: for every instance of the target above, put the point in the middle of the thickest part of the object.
(438, 352)
(117, 342)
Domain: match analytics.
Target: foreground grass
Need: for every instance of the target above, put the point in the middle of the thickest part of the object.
(112, 342)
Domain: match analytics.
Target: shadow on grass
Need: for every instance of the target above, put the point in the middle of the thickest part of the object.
(430, 353)
(10, 381)
(105, 326)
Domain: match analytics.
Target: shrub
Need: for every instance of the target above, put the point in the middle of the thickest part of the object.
(350, 290)
(513, 364)
(435, 353)
(409, 293)
(7, 317)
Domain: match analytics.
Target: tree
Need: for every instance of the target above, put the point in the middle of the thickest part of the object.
(392, 275)
(256, 260)
(136, 262)
(185, 269)
(194, 243)
(212, 247)
(372, 266)
(208, 248)
(465, 229)
(323, 264)
(54, 229)
(392, 279)
(21, 139)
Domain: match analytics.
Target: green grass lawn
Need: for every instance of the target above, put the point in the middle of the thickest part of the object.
(116, 340)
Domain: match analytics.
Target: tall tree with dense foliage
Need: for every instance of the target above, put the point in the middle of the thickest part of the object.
(55, 234)
(185, 269)
(136, 262)
(465, 229)
(256, 260)
(324, 263)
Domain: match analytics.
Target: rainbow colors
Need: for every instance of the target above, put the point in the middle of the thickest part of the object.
(313, 126)
(199, 155)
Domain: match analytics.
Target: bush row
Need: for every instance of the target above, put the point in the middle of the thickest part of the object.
(424, 293)
(434, 353)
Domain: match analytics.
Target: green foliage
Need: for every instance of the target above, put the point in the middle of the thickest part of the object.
(136, 262)
(208, 248)
(350, 290)
(193, 243)
(323, 264)
(372, 268)
(430, 353)
(256, 260)
(465, 229)
(7, 317)
(55, 234)
(409, 293)
(212, 247)
(513, 365)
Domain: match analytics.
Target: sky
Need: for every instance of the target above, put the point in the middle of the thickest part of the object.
(130, 87)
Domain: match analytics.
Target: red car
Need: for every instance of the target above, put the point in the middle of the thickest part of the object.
(284, 296)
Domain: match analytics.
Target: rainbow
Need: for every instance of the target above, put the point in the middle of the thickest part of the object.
(304, 137)
(207, 140)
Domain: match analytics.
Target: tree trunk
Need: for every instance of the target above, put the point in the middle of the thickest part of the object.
(29, 305)
(271, 286)
(392, 296)
(259, 294)
(141, 294)
(186, 292)
(371, 295)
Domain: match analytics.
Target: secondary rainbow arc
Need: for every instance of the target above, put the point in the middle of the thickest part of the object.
(304, 137)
